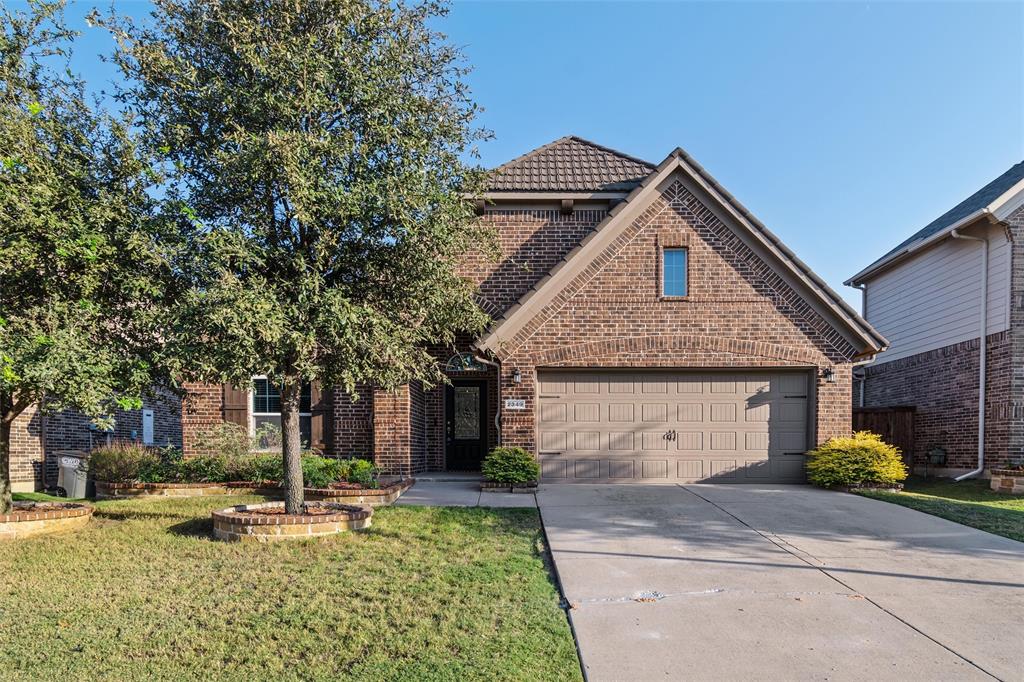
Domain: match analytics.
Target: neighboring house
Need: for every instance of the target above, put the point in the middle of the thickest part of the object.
(646, 328)
(927, 297)
(39, 439)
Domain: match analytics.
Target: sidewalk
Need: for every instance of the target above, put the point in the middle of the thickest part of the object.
(462, 492)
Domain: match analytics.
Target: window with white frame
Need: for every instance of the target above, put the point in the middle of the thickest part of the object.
(265, 408)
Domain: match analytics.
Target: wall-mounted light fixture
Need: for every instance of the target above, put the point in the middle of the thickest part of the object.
(828, 375)
(517, 376)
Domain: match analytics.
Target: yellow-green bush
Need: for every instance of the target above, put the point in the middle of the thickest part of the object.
(863, 458)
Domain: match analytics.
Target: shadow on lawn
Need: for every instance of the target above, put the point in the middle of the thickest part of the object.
(193, 528)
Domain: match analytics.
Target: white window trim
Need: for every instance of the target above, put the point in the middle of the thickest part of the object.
(253, 414)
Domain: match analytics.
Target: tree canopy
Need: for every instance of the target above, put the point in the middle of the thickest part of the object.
(82, 270)
(317, 149)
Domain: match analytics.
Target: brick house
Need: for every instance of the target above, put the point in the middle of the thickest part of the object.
(646, 328)
(39, 438)
(930, 296)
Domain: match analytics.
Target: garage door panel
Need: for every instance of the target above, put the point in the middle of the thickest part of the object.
(655, 425)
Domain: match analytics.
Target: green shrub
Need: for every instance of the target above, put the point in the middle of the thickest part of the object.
(224, 438)
(319, 472)
(510, 465)
(858, 459)
(122, 462)
(202, 469)
(363, 472)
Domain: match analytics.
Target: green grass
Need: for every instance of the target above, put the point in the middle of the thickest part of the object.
(970, 502)
(144, 593)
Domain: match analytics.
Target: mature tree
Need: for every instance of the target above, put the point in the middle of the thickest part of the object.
(79, 273)
(318, 150)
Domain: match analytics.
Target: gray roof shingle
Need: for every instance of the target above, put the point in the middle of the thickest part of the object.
(980, 199)
(570, 164)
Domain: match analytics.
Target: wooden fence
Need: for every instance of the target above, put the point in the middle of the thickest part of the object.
(894, 424)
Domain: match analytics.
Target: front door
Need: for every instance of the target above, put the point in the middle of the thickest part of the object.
(465, 424)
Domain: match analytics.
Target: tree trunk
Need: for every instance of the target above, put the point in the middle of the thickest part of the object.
(291, 395)
(5, 467)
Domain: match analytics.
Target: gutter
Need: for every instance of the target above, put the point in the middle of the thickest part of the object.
(982, 334)
(876, 267)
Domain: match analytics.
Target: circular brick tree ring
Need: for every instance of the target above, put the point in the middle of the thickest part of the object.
(268, 522)
(30, 519)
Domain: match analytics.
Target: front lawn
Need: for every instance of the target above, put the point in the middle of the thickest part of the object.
(143, 593)
(970, 502)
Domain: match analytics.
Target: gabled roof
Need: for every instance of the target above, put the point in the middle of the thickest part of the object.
(997, 199)
(570, 164)
(619, 217)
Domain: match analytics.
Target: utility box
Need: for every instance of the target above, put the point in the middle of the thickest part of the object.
(73, 478)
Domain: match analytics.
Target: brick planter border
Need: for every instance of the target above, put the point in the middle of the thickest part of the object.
(375, 497)
(1009, 481)
(27, 522)
(235, 525)
(497, 487)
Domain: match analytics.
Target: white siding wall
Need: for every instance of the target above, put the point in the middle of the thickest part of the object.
(932, 300)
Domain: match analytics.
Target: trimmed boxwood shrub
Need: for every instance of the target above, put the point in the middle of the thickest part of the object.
(510, 465)
(861, 459)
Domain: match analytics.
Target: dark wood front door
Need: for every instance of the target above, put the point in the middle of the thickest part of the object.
(465, 424)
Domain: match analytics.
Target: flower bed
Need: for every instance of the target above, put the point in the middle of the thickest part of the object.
(1009, 481)
(42, 518)
(344, 493)
(268, 522)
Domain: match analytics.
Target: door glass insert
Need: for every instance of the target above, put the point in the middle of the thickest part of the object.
(467, 412)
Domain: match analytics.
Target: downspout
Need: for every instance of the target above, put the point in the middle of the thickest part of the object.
(862, 377)
(497, 414)
(982, 334)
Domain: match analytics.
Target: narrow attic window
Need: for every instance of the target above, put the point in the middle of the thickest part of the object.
(673, 272)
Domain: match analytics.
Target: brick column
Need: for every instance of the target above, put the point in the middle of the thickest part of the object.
(392, 436)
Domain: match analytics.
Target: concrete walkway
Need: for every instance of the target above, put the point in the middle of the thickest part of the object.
(462, 492)
(721, 582)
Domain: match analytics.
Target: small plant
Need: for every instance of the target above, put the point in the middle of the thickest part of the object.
(363, 472)
(320, 472)
(863, 458)
(224, 438)
(122, 462)
(510, 465)
(268, 437)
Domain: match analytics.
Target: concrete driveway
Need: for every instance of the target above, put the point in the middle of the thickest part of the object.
(724, 582)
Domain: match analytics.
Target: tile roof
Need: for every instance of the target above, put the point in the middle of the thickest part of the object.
(570, 164)
(979, 200)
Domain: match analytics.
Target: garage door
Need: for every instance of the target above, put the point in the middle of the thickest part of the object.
(661, 426)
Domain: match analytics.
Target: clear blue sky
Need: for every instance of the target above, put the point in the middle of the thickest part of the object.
(844, 126)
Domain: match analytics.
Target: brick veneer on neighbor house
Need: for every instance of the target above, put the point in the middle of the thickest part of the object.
(27, 451)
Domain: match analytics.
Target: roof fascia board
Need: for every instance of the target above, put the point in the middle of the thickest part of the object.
(764, 250)
(877, 268)
(552, 196)
(1001, 208)
(802, 277)
(589, 248)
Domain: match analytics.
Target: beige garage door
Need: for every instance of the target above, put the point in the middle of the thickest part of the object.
(652, 426)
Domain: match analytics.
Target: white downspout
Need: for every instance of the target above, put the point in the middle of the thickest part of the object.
(982, 334)
(863, 378)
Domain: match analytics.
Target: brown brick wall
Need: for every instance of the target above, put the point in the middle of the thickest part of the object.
(531, 243)
(202, 408)
(27, 450)
(739, 313)
(392, 442)
(353, 423)
(942, 385)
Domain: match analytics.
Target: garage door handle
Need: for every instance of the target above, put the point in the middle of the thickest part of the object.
(552, 452)
(550, 396)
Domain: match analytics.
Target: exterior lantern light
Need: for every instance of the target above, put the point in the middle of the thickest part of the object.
(829, 375)
(517, 376)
